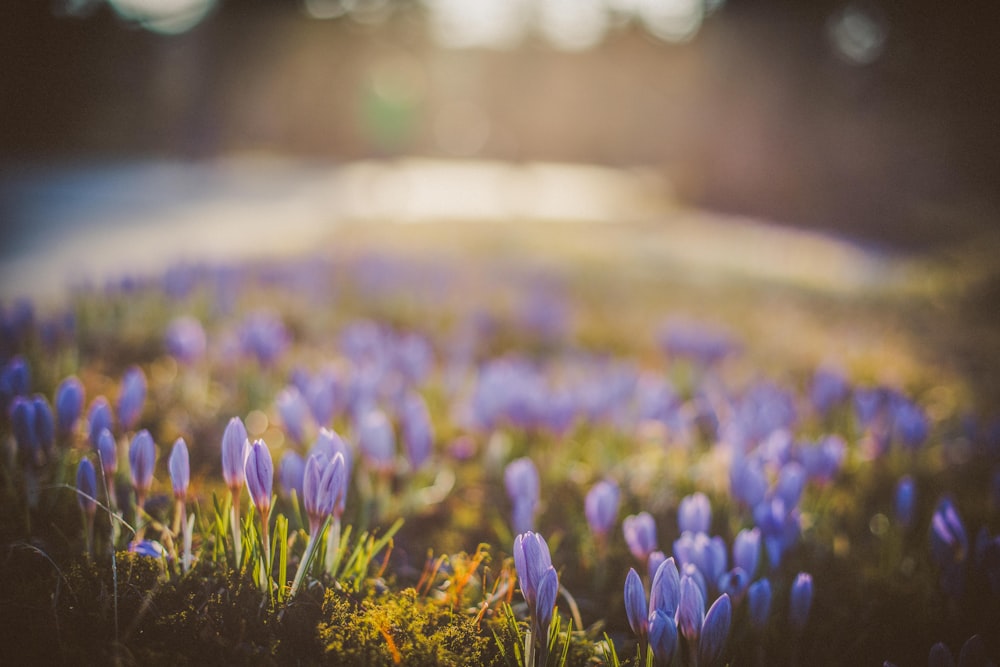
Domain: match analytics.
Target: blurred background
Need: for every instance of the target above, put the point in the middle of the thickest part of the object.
(873, 121)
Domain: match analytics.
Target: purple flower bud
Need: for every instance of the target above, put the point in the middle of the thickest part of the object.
(662, 637)
(665, 591)
(69, 403)
(142, 460)
(259, 471)
(800, 600)
(99, 416)
(601, 507)
(791, 482)
(746, 550)
(185, 340)
(180, 469)
(747, 481)
(131, 398)
(294, 413)
(949, 541)
(22, 421)
(329, 443)
(521, 479)
(653, 563)
(377, 441)
(759, 603)
(45, 428)
(235, 446)
(640, 535)
(910, 422)
(694, 514)
(148, 548)
(940, 656)
(291, 472)
(734, 583)
(715, 631)
(418, 433)
(324, 487)
(548, 588)
(531, 560)
(906, 492)
(321, 395)
(829, 387)
(635, 604)
(705, 553)
(15, 379)
(263, 335)
(86, 484)
(690, 609)
(107, 451)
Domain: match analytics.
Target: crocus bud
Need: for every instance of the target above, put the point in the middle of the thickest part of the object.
(531, 560)
(759, 603)
(377, 441)
(99, 417)
(131, 398)
(22, 421)
(324, 486)
(259, 472)
(906, 492)
(142, 460)
(15, 378)
(185, 340)
(635, 604)
(640, 535)
(180, 469)
(665, 591)
(294, 413)
(790, 484)
(662, 637)
(715, 631)
(746, 550)
(69, 404)
(656, 559)
(86, 484)
(601, 507)
(328, 443)
(734, 583)
(148, 548)
(800, 600)
(949, 541)
(548, 588)
(521, 479)
(690, 609)
(418, 432)
(107, 451)
(45, 428)
(235, 444)
(290, 472)
(694, 514)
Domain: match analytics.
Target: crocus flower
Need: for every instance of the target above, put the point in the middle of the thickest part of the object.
(294, 413)
(22, 420)
(107, 451)
(734, 583)
(715, 632)
(531, 560)
(377, 441)
(690, 610)
(662, 637)
(601, 507)
(949, 541)
(235, 444)
(290, 472)
(653, 563)
(548, 589)
(86, 484)
(829, 387)
(45, 428)
(324, 486)
(694, 514)
(99, 417)
(790, 484)
(706, 553)
(640, 535)
(142, 460)
(147, 548)
(185, 340)
(69, 404)
(906, 491)
(180, 469)
(263, 335)
(759, 603)
(523, 488)
(665, 591)
(418, 432)
(259, 472)
(635, 605)
(746, 550)
(800, 601)
(748, 481)
(131, 398)
(15, 380)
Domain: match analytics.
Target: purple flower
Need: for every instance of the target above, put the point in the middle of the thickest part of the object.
(328, 443)
(662, 637)
(759, 603)
(148, 548)
(521, 479)
(706, 553)
(601, 507)
(665, 591)
(635, 605)
(694, 514)
(548, 589)
(418, 433)
(747, 481)
(377, 441)
(531, 560)
(734, 583)
(15, 380)
(906, 492)
(829, 388)
(715, 632)
(294, 413)
(22, 421)
(321, 395)
(185, 340)
(99, 416)
(790, 484)
(69, 404)
(142, 460)
(910, 423)
(949, 541)
(324, 487)
(291, 472)
(800, 600)
(653, 563)
(263, 336)
(131, 398)
(690, 609)
(180, 469)
(107, 452)
(259, 472)
(640, 535)
(746, 550)
(235, 444)
(86, 484)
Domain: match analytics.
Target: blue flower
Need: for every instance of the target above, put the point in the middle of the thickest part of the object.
(665, 591)
(22, 420)
(235, 444)
(377, 441)
(523, 488)
(185, 340)
(100, 418)
(291, 472)
(690, 609)
(734, 583)
(148, 548)
(107, 452)
(142, 460)
(418, 432)
(694, 514)
(715, 632)
(531, 560)
(259, 472)
(636, 609)
(86, 484)
(601, 507)
(662, 637)
(906, 492)
(746, 550)
(180, 469)
(800, 600)
(759, 603)
(324, 487)
(294, 412)
(131, 398)
(640, 535)
(69, 404)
